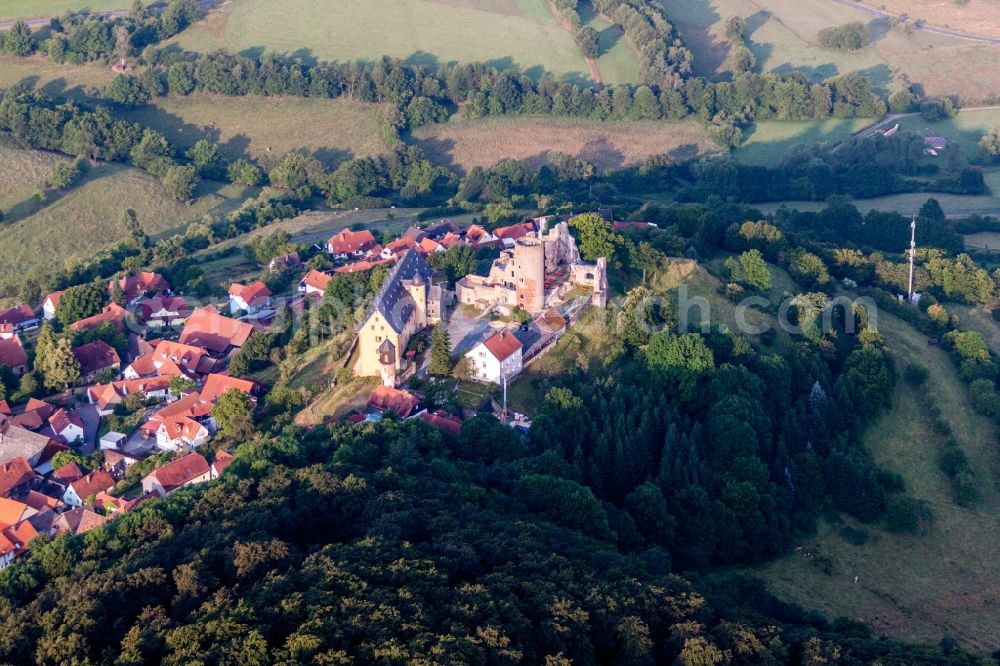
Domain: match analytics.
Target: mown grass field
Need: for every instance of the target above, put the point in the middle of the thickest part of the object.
(767, 142)
(783, 37)
(522, 33)
(71, 227)
(958, 205)
(923, 586)
(69, 81)
(468, 143)
(963, 131)
(16, 9)
(265, 128)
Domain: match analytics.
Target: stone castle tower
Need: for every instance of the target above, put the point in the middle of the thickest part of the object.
(529, 273)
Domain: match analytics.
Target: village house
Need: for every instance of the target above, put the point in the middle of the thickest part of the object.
(186, 470)
(361, 266)
(34, 415)
(106, 396)
(207, 329)
(163, 311)
(180, 424)
(77, 492)
(116, 462)
(36, 448)
(249, 299)
(112, 313)
(96, 357)
(20, 317)
(135, 287)
(222, 460)
(406, 303)
(496, 357)
(389, 398)
(66, 427)
(215, 385)
(66, 475)
(12, 355)
(78, 520)
(16, 530)
(171, 359)
(116, 506)
(285, 263)
(315, 283)
(349, 243)
(443, 420)
(16, 477)
(398, 248)
(50, 305)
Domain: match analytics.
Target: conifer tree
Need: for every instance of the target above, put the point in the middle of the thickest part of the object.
(440, 351)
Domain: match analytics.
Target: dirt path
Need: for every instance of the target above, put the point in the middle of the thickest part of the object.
(595, 71)
(41, 22)
(920, 25)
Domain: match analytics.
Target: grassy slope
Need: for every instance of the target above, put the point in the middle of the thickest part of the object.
(914, 587)
(963, 131)
(910, 203)
(767, 142)
(783, 37)
(71, 227)
(522, 33)
(590, 342)
(262, 128)
(468, 143)
(267, 128)
(15, 9)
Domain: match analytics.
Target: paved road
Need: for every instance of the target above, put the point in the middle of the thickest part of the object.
(116, 13)
(919, 25)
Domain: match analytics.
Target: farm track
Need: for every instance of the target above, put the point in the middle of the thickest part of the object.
(42, 22)
(918, 25)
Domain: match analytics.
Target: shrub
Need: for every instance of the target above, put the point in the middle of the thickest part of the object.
(849, 37)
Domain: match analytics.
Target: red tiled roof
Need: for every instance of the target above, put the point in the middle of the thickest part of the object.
(317, 280)
(348, 242)
(14, 473)
(77, 521)
(361, 266)
(208, 329)
(96, 355)
(5, 408)
(401, 245)
(37, 501)
(502, 344)
(61, 419)
(222, 460)
(12, 352)
(444, 420)
(427, 246)
(216, 385)
(12, 512)
(451, 239)
(185, 356)
(68, 473)
(140, 283)
(93, 483)
(112, 313)
(255, 293)
(54, 298)
(21, 534)
(185, 427)
(387, 397)
(176, 473)
(515, 231)
(172, 307)
(17, 315)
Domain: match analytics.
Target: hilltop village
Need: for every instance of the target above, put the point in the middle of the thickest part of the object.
(151, 379)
